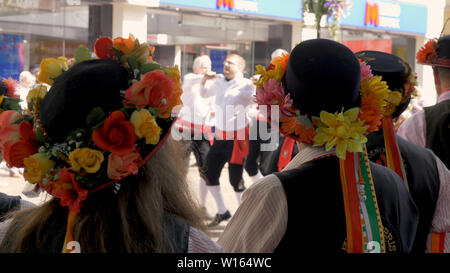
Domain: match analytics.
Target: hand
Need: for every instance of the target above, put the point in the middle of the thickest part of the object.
(208, 76)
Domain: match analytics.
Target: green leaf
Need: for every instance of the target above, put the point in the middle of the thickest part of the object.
(97, 115)
(39, 135)
(133, 62)
(82, 54)
(149, 67)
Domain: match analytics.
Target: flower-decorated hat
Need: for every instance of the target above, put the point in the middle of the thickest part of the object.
(402, 83)
(435, 52)
(397, 74)
(99, 122)
(326, 97)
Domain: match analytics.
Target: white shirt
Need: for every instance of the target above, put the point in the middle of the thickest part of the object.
(233, 99)
(196, 109)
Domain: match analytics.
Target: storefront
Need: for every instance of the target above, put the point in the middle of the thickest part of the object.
(185, 29)
(32, 30)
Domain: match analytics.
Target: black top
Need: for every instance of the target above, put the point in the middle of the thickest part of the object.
(422, 176)
(437, 120)
(8, 203)
(316, 216)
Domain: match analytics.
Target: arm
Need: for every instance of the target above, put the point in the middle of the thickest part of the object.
(440, 227)
(199, 242)
(260, 222)
(208, 91)
(413, 129)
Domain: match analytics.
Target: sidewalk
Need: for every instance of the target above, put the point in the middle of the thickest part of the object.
(14, 186)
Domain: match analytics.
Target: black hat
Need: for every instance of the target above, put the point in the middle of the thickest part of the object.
(393, 70)
(322, 75)
(77, 91)
(435, 52)
(443, 47)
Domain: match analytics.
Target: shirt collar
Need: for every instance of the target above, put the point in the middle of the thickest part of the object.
(444, 96)
(307, 154)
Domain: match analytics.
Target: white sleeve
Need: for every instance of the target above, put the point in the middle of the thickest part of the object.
(441, 218)
(413, 129)
(209, 90)
(199, 242)
(260, 221)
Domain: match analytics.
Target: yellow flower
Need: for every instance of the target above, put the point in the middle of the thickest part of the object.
(36, 167)
(173, 73)
(392, 101)
(145, 126)
(377, 87)
(51, 68)
(86, 159)
(342, 130)
(36, 93)
(276, 74)
(1, 99)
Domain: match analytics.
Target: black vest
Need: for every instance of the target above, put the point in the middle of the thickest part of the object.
(316, 216)
(176, 237)
(423, 179)
(437, 119)
(269, 164)
(8, 203)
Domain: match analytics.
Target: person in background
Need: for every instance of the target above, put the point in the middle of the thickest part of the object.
(26, 82)
(430, 127)
(314, 205)
(234, 95)
(193, 121)
(426, 177)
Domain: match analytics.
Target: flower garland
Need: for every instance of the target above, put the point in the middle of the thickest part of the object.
(344, 130)
(92, 156)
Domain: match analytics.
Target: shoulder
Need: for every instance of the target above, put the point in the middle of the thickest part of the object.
(264, 187)
(199, 242)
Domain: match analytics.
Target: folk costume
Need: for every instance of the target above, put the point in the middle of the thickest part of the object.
(195, 124)
(232, 99)
(430, 127)
(426, 177)
(90, 135)
(330, 198)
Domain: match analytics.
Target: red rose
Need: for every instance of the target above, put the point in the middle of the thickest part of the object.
(15, 152)
(116, 135)
(102, 48)
(68, 190)
(154, 89)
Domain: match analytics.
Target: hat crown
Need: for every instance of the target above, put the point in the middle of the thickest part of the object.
(322, 75)
(443, 47)
(77, 91)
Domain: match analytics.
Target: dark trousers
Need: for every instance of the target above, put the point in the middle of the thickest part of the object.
(219, 154)
(200, 148)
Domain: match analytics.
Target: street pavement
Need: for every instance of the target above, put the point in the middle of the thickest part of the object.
(14, 186)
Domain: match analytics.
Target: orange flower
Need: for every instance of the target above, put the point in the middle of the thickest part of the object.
(290, 126)
(281, 60)
(370, 112)
(427, 53)
(124, 45)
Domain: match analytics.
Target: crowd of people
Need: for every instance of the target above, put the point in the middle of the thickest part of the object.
(315, 130)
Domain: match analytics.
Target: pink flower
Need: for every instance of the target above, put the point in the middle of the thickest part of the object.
(272, 93)
(366, 71)
(122, 166)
